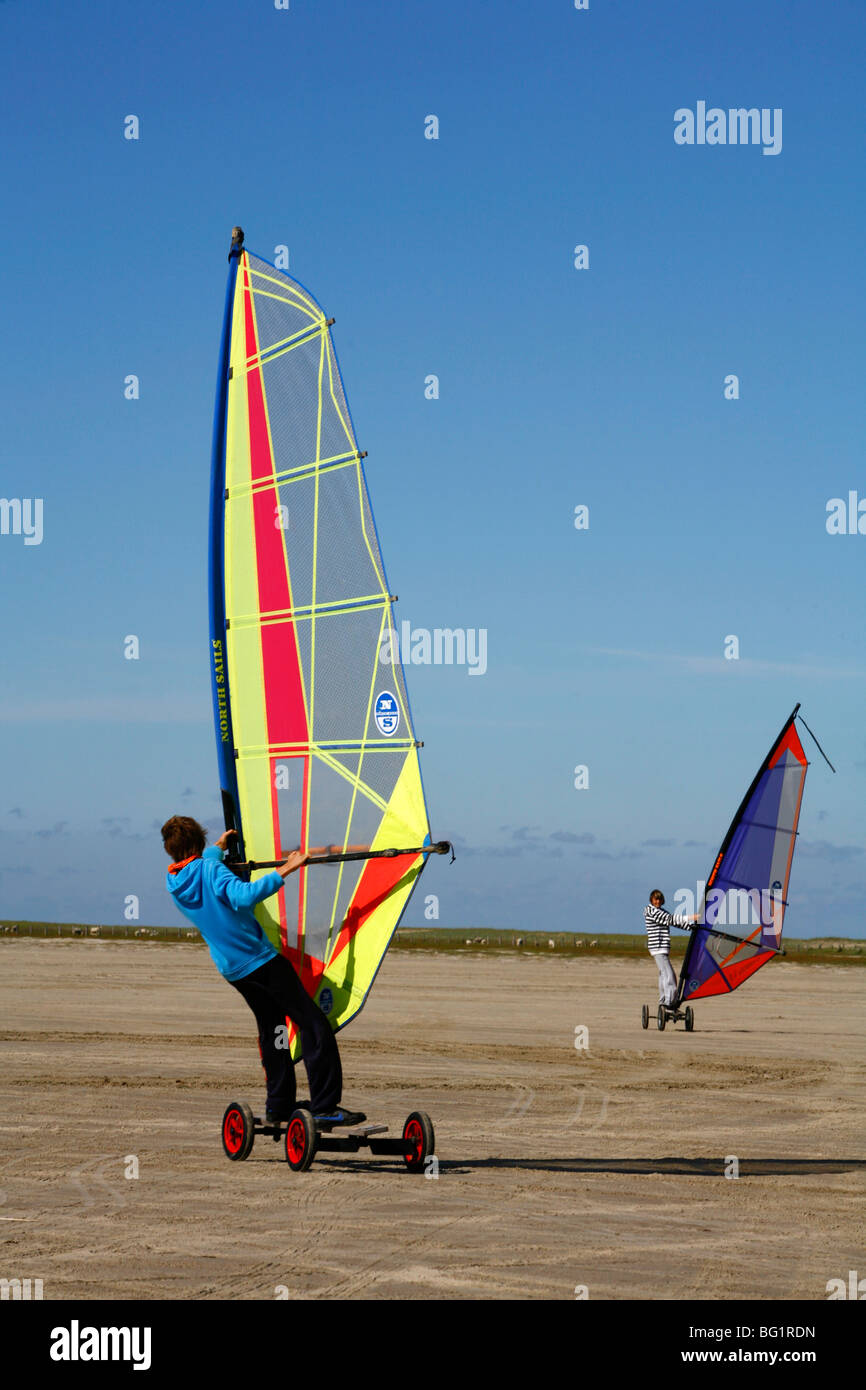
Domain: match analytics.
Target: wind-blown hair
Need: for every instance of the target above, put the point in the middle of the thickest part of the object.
(183, 837)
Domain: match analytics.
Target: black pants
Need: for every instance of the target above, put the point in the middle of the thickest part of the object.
(275, 994)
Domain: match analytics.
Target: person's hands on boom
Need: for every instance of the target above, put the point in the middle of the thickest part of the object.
(296, 860)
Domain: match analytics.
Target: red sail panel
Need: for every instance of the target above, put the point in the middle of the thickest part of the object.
(283, 687)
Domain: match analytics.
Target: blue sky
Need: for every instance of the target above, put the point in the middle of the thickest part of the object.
(557, 387)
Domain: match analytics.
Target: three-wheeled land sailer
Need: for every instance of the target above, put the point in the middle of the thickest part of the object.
(669, 1013)
(740, 923)
(304, 1136)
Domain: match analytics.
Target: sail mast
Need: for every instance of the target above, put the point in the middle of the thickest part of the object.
(216, 576)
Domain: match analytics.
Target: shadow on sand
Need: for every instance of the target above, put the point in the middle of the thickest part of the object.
(689, 1167)
(685, 1167)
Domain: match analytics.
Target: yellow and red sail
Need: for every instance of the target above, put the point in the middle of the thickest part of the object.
(314, 728)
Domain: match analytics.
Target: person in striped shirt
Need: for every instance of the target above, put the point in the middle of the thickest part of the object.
(658, 930)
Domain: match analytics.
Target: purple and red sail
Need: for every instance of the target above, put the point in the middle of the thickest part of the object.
(743, 909)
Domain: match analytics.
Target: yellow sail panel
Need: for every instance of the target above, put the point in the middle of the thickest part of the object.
(383, 891)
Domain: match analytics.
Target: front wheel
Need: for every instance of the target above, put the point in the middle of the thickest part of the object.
(644, 1016)
(690, 1018)
(660, 1018)
(420, 1140)
(237, 1132)
(301, 1139)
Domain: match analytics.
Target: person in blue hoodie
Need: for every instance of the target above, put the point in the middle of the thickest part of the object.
(221, 906)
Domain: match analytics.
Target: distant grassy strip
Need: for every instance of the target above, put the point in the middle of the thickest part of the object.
(836, 950)
(128, 931)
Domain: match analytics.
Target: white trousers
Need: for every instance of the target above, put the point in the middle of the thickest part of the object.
(667, 979)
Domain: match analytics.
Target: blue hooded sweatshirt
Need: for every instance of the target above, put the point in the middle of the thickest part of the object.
(220, 906)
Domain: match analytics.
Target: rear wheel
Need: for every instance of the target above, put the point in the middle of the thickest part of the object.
(418, 1133)
(690, 1019)
(301, 1140)
(660, 1018)
(644, 1016)
(238, 1133)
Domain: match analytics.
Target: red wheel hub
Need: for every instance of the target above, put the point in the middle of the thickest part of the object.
(414, 1134)
(233, 1131)
(296, 1140)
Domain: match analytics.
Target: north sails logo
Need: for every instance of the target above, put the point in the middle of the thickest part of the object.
(219, 676)
(387, 713)
(77, 1343)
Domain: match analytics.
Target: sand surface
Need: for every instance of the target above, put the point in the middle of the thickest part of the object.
(558, 1167)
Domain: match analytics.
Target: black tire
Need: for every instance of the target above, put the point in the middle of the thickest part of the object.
(238, 1133)
(418, 1131)
(300, 1141)
(660, 1018)
(690, 1019)
(644, 1016)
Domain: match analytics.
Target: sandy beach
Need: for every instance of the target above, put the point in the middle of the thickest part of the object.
(560, 1167)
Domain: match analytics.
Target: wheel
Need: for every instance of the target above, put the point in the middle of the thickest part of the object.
(301, 1139)
(661, 1018)
(644, 1016)
(690, 1018)
(238, 1132)
(418, 1130)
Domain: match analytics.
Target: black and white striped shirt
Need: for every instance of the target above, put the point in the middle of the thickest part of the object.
(658, 929)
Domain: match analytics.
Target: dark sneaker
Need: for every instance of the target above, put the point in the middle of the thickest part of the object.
(341, 1117)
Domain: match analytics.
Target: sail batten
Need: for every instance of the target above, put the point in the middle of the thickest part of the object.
(317, 741)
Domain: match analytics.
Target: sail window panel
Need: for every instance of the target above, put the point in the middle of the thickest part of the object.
(284, 307)
(324, 887)
(337, 813)
(288, 778)
(327, 523)
(348, 677)
(298, 500)
(722, 951)
(291, 394)
(776, 799)
(738, 911)
(336, 433)
(760, 861)
(338, 816)
(379, 770)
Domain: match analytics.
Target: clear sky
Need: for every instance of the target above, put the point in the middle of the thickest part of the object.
(558, 387)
